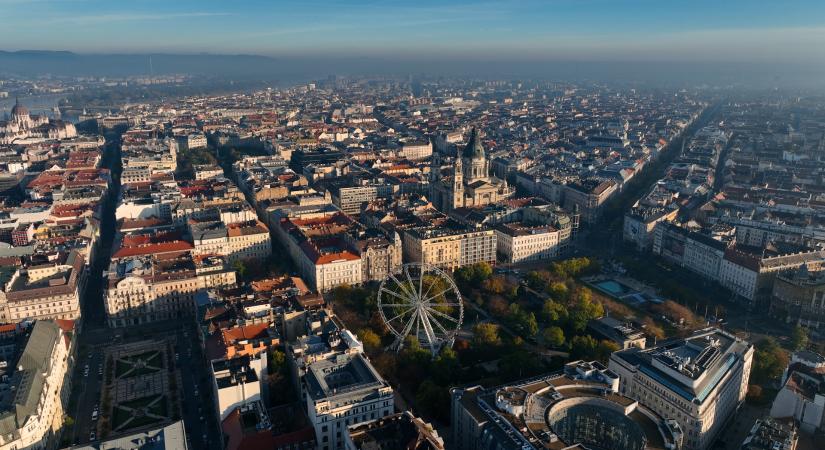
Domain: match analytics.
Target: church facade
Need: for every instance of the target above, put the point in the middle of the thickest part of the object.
(470, 184)
(23, 127)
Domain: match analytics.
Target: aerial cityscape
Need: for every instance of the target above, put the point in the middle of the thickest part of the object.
(355, 225)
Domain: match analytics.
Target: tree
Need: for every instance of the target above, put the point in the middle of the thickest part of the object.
(605, 349)
(433, 399)
(677, 313)
(485, 335)
(769, 360)
(483, 271)
(518, 363)
(573, 267)
(553, 336)
(534, 280)
(583, 347)
(371, 341)
(799, 338)
(653, 328)
(754, 393)
(446, 367)
(531, 325)
(496, 285)
(473, 275)
(553, 312)
(522, 321)
(497, 306)
(558, 291)
(240, 268)
(584, 310)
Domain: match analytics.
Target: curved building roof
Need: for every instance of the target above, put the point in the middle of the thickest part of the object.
(474, 150)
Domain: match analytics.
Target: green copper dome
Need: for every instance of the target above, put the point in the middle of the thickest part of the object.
(474, 149)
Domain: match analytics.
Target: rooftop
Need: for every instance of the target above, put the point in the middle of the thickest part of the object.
(691, 367)
(544, 412)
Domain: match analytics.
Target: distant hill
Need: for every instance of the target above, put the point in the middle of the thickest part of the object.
(38, 62)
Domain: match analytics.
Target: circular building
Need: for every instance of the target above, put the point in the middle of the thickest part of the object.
(578, 408)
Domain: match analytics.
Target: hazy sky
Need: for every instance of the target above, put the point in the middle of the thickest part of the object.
(737, 30)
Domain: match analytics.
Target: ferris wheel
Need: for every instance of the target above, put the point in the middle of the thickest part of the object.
(424, 302)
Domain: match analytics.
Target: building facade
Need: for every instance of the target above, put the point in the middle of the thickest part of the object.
(449, 248)
(517, 243)
(699, 381)
(32, 415)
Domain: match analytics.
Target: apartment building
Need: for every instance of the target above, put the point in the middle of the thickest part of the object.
(236, 241)
(750, 272)
(48, 290)
(416, 151)
(324, 257)
(588, 196)
(147, 288)
(32, 412)
(450, 246)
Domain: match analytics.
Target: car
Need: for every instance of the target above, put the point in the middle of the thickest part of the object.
(196, 392)
(94, 415)
(92, 436)
(204, 437)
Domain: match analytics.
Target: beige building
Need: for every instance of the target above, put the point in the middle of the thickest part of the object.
(449, 247)
(156, 155)
(148, 288)
(237, 241)
(380, 255)
(699, 381)
(47, 291)
(32, 412)
(577, 408)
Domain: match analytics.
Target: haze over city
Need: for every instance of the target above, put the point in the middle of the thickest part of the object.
(532, 36)
(432, 225)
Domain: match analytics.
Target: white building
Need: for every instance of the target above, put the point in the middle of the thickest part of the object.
(323, 261)
(416, 150)
(518, 243)
(237, 381)
(699, 381)
(802, 396)
(341, 391)
(751, 275)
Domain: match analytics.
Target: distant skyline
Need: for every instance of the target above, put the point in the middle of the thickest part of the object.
(644, 30)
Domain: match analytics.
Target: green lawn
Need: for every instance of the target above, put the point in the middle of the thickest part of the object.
(126, 365)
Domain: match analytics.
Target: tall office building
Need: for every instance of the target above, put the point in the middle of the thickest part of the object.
(699, 381)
